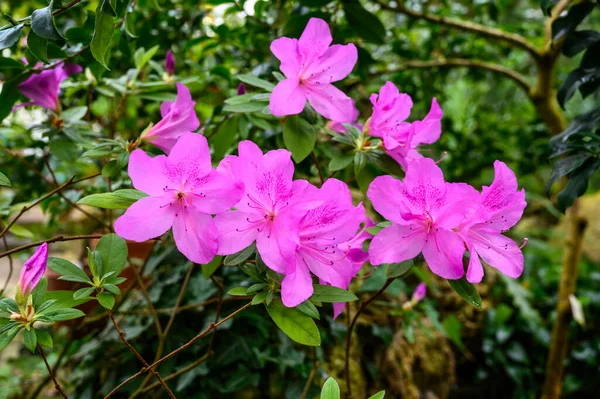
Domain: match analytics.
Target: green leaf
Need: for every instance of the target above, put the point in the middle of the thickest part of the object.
(331, 389)
(252, 80)
(30, 340)
(260, 297)
(398, 269)
(10, 36)
(209, 269)
(44, 338)
(38, 46)
(226, 137)
(114, 253)
(340, 162)
(9, 305)
(64, 314)
(111, 169)
(20, 231)
(65, 149)
(9, 334)
(378, 395)
(328, 293)
(4, 180)
(240, 257)
(299, 137)
(467, 291)
(74, 113)
(295, 324)
(83, 293)
(119, 199)
(577, 184)
(62, 299)
(66, 268)
(452, 327)
(10, 64)
(103, 32)
(37, 295)
(309, 309)
(365, 24)
(113, 289)
(42, 22)
(141, 57)
(253, 106)
(238, 291)
(255, 288)
(8, 97)
(106, 299)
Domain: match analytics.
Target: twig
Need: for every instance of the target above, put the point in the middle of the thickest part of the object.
(135, 352)
(311, 376)
(176, 351)
(63, 352)
(50, 241)
(65, 8)
(10, 264)
(179, 372)
(56, 384)
(351, 327)
(316, 161)
(146, 296)
(218, 313)
(187, 307)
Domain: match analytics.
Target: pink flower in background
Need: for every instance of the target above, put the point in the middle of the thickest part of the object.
(241, 90)
(501, 208)
(33, 270)
(311, 65)
(340, 128)
(424, 210)
(170, 63)
(419, 293)
(183, 192)
(400, 138)
(177, 117)
(269, 190)
(43, 88)
(314, 237)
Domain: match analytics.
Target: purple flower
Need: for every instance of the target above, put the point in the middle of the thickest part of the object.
(311, 65)
(33, 270)
(43, 87)
(424, 210)
(419, 293)
(501, 208)
(400, 138)
(170, 63)
(177, 117)
(183, 192)
(241, 90)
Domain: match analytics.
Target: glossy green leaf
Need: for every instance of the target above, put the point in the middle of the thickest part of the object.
(398, 269)
(30, 340)
(83, 293)
(42, 22)
(340, 162)
(119, 199)
(64, 314)
(240, 257)
(295, 324)
(309, 309)
(44, 338)
(38, 46)
(10, 36)
(252, 80)
(299, 137)
(107, 300)
(114, 253)
(66, 268)
(259, 298)
(238, 291)
(467, 291)
(328, 293)
(331, 389)
(209, 269)
(103, 32)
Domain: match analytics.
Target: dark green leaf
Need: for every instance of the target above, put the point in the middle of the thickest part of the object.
(569, 22)
(365, 24)
(259, 298)
(111, 169)
(65, 149)
(328, 293)
(576, 80)
(254, 106)
(103, 32)
(578, 183)
(30, 340)
(546, 5)
(252, 80)
(331, 389)
(37, 295)
(309, 309)
(106, 299)
(114, 253)
(452, 327)
(44, 338)
(340, 162)
(66, 268)
(240, 257)
(299, 137)
(9, 96)
(7, 336)
(398, 269)
(579, 41)
(564, 166)
(10, 36)
(38, 46)
(7, 64)
(295, 324)
(467, 291)
(42, 22)
(113, 289)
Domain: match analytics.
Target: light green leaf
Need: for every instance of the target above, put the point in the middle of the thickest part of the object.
(66, 268)
(238, 291)
(114, 253)
(103, 32)
(30, 340)
(328, 293)
(113, 289)
(254, 106)
(7, 336)
(299, 137)
(62, 299)
(65, 149)
(44, 338)
(64, 314)
(20, 231)
(119, 199)
(252, 80)
(378, 395)
(331, 389)
(260, 297)
(141, 57)
(211, 267)
(42, 22)
(83, 293)
(38, 46)
(106, 299)
(467, 291)
(4, 180)
(309, 309)
(240, 257)
(295, 324)
(74, 113)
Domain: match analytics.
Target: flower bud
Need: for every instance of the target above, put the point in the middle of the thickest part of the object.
(33, 270)
(241, 89)
(170, 63)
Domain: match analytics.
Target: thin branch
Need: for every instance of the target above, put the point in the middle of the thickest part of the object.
(179, 372)
(50, 241)
(311, 377)
(144, 370)
(168, 311)
(146, 296)
(316, 161)
(10, 264)
(56, 384)
(351, 327)
(136, 353)
(466, 63)
(61, 356)
(65, 8)
(493, 33)
(218, 313)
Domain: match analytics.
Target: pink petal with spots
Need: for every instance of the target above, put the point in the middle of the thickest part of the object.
(147, 218)
(234, 232)
(148, 174)
(397, 243)
(385, 192)
(330, 102)
(316, 36)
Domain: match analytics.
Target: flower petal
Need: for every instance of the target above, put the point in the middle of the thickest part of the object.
(249, 151)
(475, 269)
(330, 102)
(288, 98)
(460, 202)
(385, 192)
(443, 252)
(195, 236)
(189, 158)
(337, 63)
(147, 218)
(316, 37)
(498, 251)
(218, 192)
(286, 51)
(234, 233)
(428, 130)
(296, 286)
(147, 174)
(397, 243)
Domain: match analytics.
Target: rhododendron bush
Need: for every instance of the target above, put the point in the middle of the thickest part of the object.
(222, 194)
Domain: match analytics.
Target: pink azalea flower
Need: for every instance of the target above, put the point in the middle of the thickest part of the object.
(419, 293)
(269, 191)
(400, 138)
(311, 65)
(501, 208)
(314, 238)
(43, 88)
(170, 63)
(424, 211)
(33, 270)
(177, 117)
(340, 128)
(357, 257)
(183, 191)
